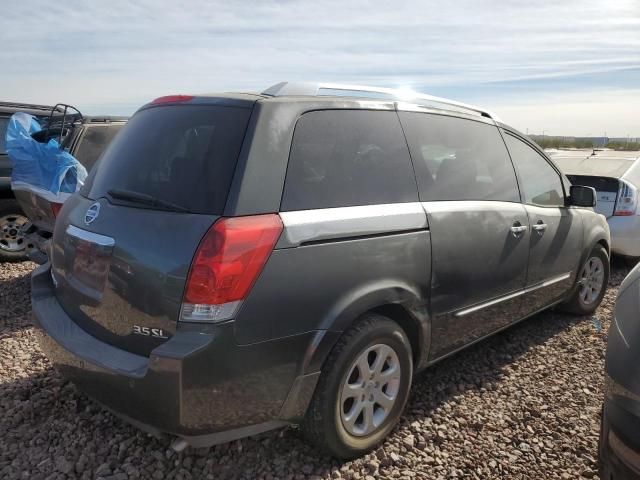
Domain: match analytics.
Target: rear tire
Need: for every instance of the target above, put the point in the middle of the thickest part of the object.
(362, 390)
(591, 283)
(13, 244)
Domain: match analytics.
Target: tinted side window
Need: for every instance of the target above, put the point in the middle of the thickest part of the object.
(346, 158)
(4, 122)
(541, 184)
(93, 143)
(458, 159)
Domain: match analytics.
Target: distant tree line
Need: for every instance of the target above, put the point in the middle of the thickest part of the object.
(574, 142)
(623, 145)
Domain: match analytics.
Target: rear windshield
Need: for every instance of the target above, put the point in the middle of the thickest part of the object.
(94, 141)
(180, 154)
(601, 184)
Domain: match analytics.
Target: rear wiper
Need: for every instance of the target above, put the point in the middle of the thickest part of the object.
(136, 197)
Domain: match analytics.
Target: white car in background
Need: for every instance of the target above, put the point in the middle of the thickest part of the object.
(616, 178)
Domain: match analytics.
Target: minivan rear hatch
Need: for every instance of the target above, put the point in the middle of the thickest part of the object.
(122, 248)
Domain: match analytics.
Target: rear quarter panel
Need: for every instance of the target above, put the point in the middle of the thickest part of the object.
(326, 286)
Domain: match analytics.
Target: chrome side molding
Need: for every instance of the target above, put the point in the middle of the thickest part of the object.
(548, 282)
(513, 295)
(343, 222)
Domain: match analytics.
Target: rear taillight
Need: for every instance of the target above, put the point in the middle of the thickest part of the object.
(627, 200)
(55, 208)
(172, 99)
(227, 263)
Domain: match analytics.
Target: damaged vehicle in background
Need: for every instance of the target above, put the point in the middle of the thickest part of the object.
(616, 179)
(84, 138)
(13, 245)
(239, 262)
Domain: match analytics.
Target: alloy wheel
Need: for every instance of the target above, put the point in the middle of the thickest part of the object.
(370, 390)
(591, 280)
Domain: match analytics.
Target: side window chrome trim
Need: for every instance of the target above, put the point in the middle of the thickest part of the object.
(305, 226)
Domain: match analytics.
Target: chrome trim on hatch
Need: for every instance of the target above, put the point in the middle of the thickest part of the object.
(513, 295)
(343, 222)
(96, 238)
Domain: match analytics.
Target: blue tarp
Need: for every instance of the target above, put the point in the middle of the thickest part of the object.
(44, 166)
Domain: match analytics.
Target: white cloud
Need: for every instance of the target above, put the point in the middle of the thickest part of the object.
(111, 56)
(584, 114)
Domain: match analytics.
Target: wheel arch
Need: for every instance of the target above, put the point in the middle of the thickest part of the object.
(411, 326)
(400, 302)
(595, 240)
(605, 244)
(596, 231)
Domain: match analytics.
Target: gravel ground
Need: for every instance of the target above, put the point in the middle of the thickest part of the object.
(523, 404)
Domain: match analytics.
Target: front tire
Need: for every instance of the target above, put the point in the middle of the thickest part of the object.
(363, 388)
(591, 283)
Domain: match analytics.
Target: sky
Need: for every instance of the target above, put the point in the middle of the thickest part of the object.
(558, 67)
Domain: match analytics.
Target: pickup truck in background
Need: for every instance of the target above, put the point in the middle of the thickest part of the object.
(27, 219)
(13, 245)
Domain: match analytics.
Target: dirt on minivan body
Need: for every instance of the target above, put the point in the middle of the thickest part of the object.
(522, 404)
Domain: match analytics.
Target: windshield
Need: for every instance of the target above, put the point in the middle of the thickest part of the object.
(181, 155)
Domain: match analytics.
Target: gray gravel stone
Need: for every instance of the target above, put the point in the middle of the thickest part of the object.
(522, 404)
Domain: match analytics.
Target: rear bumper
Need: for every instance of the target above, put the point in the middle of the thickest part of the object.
(625, 235)
(199, 385)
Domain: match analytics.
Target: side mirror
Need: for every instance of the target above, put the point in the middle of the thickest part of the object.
(580, 196)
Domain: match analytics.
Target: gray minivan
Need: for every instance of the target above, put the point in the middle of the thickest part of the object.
(239, 262)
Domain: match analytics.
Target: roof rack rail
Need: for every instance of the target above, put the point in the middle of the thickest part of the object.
(31, 106)
(104, 118)
(337, 89)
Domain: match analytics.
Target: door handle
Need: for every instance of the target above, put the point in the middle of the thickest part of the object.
(517, 228)
(539, 227)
